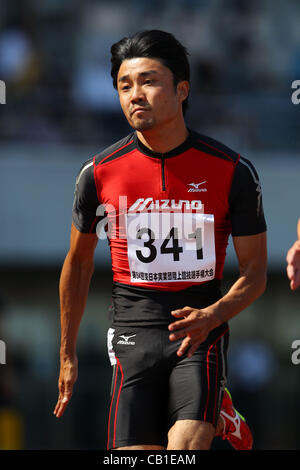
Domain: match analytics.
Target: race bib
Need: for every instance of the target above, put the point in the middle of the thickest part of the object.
(170, 247)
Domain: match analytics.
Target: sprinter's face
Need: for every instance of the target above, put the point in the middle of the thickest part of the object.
(147, 93)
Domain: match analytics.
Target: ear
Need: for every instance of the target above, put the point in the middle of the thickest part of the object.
(183, 89)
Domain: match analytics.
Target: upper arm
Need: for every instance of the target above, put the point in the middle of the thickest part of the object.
(83, 239)
(245, 201)
(84, 212)
(248, 220)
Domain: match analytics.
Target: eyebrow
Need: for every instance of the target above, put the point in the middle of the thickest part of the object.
(142, 74)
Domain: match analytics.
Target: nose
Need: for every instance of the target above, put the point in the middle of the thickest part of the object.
(137, 94)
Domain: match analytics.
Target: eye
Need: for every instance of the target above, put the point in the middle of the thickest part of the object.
(125, 88)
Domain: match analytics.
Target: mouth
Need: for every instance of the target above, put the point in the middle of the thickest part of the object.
(137, 110)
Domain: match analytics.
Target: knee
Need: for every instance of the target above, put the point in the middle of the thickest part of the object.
(192, 436)
(203, 443)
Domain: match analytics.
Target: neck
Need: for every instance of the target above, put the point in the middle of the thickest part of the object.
(163, 139)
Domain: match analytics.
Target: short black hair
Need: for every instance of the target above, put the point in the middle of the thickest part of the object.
(153, 44)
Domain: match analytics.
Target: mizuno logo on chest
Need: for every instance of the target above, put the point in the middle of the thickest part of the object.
(146, 204)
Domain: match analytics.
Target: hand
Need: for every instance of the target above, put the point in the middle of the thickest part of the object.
(67, 378)
(293, 262)
(293, 265)
(194, 328)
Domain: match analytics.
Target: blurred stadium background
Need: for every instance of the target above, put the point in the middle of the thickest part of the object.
(61, 108)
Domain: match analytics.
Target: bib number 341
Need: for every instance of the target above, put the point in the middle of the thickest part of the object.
(178, 244)
(170, 244)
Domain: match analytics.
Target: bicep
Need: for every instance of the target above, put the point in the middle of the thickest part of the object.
(251, 252)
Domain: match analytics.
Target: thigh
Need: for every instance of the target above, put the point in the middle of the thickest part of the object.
(137, 415)
(197, 384)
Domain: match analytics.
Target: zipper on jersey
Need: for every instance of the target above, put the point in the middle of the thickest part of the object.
(163, 173)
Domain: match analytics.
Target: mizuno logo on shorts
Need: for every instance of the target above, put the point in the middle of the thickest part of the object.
(125, 340)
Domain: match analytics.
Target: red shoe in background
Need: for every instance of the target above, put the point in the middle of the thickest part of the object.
(236, 430)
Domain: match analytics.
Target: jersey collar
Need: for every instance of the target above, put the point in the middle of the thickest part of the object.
(172, 153)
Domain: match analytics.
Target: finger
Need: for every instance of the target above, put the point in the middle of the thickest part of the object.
(184, 346)
(178, 325)
(193, 348)
(296, 279)
(61, 388)
(290, 271)
(177, 335)
(62, 403)
(59, 409)
(178, 313)
(293, 252)
(181, 312)
(289, 256)
(62, 406)
(298, 229)
(56, 411)
(56, 406)
(180, 329)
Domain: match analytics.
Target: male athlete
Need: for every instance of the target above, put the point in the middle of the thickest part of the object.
(293, 262)
(168, 199)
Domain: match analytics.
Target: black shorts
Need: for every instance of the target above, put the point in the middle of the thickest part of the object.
(152, 387)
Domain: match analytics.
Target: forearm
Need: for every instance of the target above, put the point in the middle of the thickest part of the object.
(73, 290)
(194, 325)
(247, 288)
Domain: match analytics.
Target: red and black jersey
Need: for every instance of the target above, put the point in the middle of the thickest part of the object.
(167, 217)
